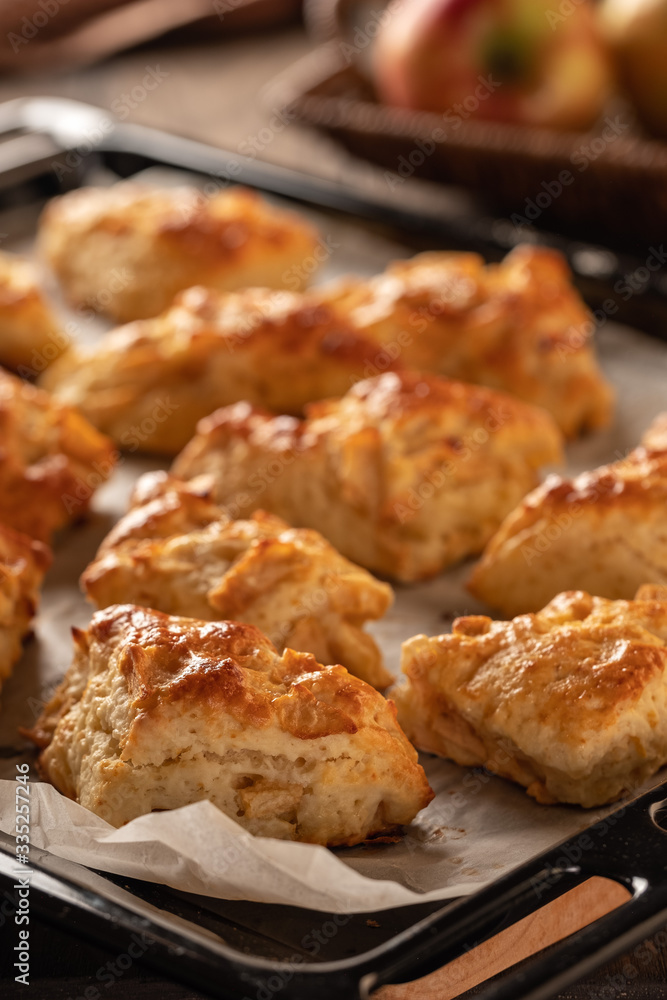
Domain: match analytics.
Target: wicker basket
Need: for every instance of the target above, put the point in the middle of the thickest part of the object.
(609, 184)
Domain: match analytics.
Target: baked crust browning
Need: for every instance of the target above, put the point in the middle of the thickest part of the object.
(603, 531)
(157, 712)
(406, 474)
(178, 552)
(29, 334)
(127, 250)
(147, 384)
(570, 702)
(518, 326)
(23, 563)
(51, 460)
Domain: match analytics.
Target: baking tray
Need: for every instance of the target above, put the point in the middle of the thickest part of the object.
(236, 949)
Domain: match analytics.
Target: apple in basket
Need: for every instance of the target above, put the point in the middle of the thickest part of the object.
(533, 62)
(637, 33)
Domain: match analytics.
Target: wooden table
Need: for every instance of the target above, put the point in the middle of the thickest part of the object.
(211, 92)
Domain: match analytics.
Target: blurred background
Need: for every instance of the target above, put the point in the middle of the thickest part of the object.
(548, 114)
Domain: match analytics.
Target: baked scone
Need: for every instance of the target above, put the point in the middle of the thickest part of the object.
(51, 460)
(23, 563)
(147, 384)
(157, 712)
(30, 337)
(519, 326)
(406, 474)
(178, 552)
(127, 250)
(603, 531)
(570, 702)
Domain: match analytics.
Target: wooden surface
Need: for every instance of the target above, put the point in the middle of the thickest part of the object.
(211, 92)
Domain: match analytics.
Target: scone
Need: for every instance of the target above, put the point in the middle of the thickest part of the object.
(127, 250)
(147, 384)
(406, 474)
(51, 460)
(30, 337)
(23, 563)
(603, 531)
(518, 326)
(178, 552)
(570, 702)
(157, 712)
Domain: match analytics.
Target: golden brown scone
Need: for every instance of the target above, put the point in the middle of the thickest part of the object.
(603, 531)
(23, 563)
(518, 326)
(178, 552)
(405, 475)
(30, 337)
(147, 384)
(570, 702)
(127, 250)
(51, 460)
(157, 712)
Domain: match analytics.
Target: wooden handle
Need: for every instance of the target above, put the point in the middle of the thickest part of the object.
(569, 913)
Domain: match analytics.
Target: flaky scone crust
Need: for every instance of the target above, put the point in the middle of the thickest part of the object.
(147, 384)
(603, 531)
(406, 474)
(23, 563)
(570, 702)
(51, 462)
(178, 552)
(30, 338)
(519, 326)
(127, 250)
(157, 712)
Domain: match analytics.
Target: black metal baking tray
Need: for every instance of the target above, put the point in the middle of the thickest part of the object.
(247, 950)
(236, 950)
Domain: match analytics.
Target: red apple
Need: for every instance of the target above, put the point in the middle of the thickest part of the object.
(537, 62)
(637, 33)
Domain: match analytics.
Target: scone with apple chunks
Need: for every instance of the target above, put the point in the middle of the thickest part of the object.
(147, 384)
(127, 250)
(30, 337)
(52, 460)
(178, 552)
(23, 563)
(519, 326)
(603, 531)
(570, 702)
(157, 712)
(406, 474)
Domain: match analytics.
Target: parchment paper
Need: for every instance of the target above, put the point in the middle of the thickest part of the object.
(478, 826)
